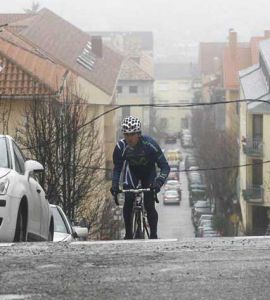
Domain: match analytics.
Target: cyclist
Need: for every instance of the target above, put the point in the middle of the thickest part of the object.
(136, 157)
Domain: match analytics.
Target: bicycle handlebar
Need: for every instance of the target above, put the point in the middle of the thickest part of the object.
(135, 190)
(140, 191)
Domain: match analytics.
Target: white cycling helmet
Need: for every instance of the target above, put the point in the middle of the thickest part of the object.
(131, 125)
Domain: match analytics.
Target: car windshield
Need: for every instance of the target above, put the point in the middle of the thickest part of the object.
(4, 162)
(172, 182)
(59, 223)
(172, 193)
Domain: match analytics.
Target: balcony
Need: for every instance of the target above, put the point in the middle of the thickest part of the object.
(254, 194)
(253, 147)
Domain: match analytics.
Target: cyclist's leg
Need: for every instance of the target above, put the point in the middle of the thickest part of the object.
(130, 182)
(149, 204)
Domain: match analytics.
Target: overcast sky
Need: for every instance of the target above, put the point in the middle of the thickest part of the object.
(190, 20)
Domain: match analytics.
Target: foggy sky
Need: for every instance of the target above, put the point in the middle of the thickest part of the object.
(190, 20)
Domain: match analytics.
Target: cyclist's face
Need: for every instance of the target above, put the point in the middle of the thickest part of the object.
(131, 138)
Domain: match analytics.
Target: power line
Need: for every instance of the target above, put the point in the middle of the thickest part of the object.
(175, 105)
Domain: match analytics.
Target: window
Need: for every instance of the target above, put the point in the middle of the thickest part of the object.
(257, 126)
(257, 172)
(19, 159)
(163, 87)
(133, 89)
(184, 85)
(119, 89)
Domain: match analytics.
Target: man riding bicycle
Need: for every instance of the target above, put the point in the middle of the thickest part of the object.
(137, 156)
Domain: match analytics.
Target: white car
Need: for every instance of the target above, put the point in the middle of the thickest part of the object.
(63, 231)
(24, 210)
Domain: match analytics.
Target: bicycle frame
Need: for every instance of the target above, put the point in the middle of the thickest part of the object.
(139, 217)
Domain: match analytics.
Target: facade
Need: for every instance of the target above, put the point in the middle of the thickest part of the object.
(135, 87)
(254, 183)
(174, 84)
(135, 82)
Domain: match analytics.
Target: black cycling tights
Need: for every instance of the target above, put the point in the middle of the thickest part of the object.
(152, 215)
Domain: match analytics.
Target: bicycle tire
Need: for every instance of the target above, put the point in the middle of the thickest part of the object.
(137, 225)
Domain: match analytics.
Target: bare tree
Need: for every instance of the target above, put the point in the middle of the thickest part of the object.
(34, 8)
(71, 153)
(216, 148)
(5, 111)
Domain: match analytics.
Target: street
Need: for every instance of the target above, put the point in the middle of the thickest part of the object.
(223, 268)
(175, 221)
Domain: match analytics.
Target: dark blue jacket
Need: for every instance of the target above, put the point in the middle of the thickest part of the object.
(141, 160)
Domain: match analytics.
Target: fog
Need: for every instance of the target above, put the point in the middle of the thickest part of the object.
(174, 23)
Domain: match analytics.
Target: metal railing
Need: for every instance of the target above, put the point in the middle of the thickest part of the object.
(253, 147)
(254, 194)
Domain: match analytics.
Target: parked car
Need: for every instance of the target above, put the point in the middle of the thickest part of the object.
(200, 208)
(63, 230)
(196, 195)
(171, 197)
(170, 139)
(24, 214)
(172, 185)
(174, 155)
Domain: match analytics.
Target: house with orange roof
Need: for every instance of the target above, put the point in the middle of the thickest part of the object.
(95, 66)
(25, 74)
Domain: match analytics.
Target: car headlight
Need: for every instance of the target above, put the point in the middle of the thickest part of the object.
(4, 183)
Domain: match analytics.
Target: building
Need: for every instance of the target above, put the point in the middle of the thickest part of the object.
(94, 66)
(174, 84)
(254, 183)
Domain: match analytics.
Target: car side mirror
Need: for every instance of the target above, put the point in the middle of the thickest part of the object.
(32, 166)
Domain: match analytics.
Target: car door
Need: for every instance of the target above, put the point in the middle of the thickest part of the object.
(44, 212)
(33, 199)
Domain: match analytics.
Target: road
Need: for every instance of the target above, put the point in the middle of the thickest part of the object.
(222, 268)
(174, 220)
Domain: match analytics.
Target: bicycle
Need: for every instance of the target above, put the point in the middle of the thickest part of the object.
(139, 216)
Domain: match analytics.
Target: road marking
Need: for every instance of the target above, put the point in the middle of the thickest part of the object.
(123, 242)
(252, 237)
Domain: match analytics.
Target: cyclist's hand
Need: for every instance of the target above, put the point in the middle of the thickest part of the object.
(156, 185)
(114, 190)
(115, 198)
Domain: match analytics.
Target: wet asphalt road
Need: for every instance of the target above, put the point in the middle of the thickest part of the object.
(223, 268)
(175, 220)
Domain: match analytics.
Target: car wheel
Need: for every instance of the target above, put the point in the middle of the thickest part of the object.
(50, 236)
(20, 233)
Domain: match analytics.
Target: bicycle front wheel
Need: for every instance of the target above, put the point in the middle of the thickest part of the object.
(137, 225)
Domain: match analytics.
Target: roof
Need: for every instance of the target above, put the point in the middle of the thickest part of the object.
(253, 82)
(65, 43)
(10, 18)
(145, 38)
(233, 64)
(207, 53)
(254, 48)
(255, 87)
(132, 71)
(170, 71)
(26, 71)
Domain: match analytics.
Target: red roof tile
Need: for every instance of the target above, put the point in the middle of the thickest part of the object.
(254, 47)
(233, 64)
(25, 71)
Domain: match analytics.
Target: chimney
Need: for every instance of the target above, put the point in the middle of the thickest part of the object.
(233, 43)
(267, 34)
(97, 47)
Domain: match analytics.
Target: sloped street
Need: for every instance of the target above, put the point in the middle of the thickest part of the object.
(221, 268)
